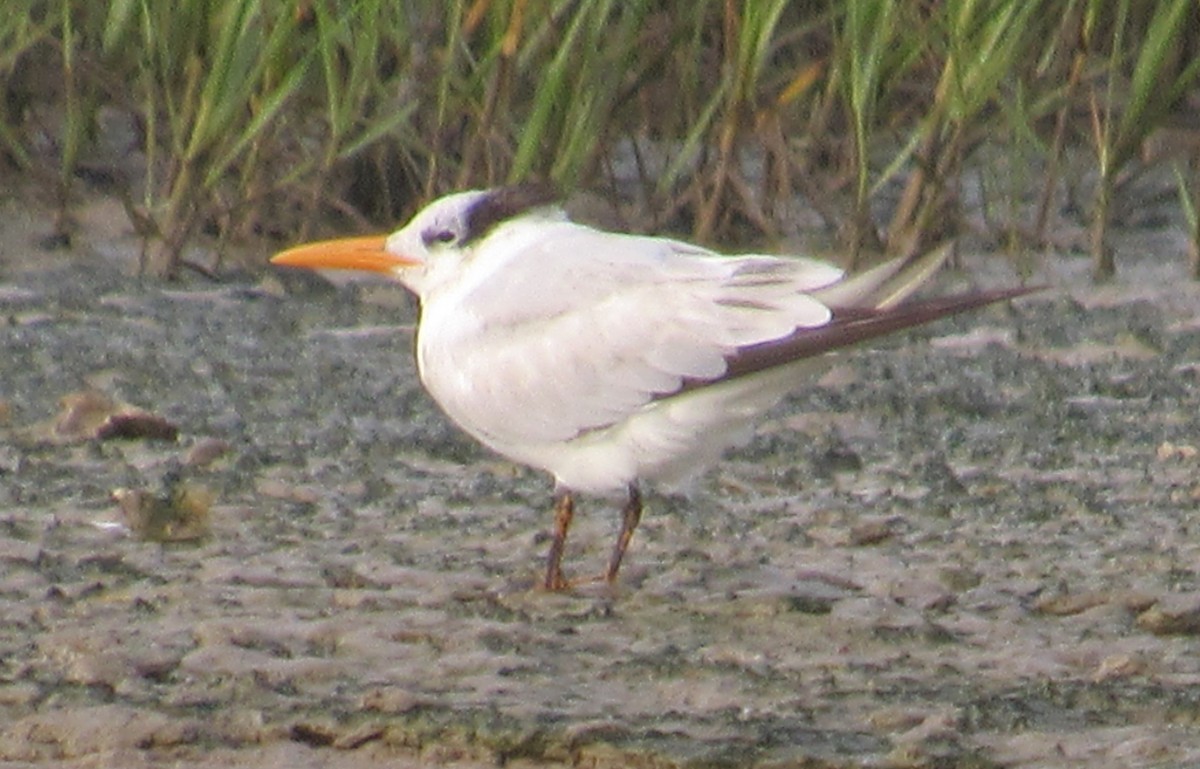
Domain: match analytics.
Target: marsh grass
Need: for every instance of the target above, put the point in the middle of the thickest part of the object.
(211, 86)
(269, 119)
(978, 44)
(1140, 86)
(873, 52)
(20, 33)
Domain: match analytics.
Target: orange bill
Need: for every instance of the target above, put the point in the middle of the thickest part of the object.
(365, 253)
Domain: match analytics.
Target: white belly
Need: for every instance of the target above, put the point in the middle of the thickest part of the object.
(669, 441)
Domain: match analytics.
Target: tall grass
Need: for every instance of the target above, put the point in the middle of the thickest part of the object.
(1140, 85)
(212, 79)
(1188, 181)
(977, 44)
(362, 99)
(20, 33)
(260, 118)
(874, 50)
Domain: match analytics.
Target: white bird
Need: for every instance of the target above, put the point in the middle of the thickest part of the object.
(606, 358)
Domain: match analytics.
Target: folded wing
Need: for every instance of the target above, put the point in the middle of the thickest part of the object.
(588, 327)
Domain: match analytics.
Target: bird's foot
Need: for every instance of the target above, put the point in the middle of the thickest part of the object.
(556, 583)
(561, 584)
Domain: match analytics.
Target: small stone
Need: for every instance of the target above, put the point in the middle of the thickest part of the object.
(206, 451)
(1116, 666)
(359, 736)
(1174, 614)
(289, 492)
(1168, 451)
(94, 415)
(872, 532)
(1067, 604)
(389, 699)
(897, 718)
(180, 513)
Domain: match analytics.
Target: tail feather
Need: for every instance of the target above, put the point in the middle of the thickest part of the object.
(864, 306)
(853, 325)
(886, 285)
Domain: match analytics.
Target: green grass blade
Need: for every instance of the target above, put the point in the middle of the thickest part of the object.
(1149, 95)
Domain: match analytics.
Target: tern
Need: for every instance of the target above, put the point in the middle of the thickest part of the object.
(608, 359)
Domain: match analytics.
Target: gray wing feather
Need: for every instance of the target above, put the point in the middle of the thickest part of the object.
(574, 345)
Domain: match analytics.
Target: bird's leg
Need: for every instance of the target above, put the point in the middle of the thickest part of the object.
(564, 511)
(631, 515)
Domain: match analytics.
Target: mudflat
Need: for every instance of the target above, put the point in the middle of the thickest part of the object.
(971, 545)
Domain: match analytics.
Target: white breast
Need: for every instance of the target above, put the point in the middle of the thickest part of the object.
(563, 348)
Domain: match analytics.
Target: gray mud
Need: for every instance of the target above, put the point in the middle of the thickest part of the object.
(974, 545)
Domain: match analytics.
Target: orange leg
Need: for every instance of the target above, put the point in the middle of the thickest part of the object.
(631, 515)
(564, 511)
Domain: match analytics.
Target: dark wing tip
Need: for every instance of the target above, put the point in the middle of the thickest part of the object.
(500, 204)
(851, 326)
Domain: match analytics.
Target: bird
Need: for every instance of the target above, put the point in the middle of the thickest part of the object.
(609, 359)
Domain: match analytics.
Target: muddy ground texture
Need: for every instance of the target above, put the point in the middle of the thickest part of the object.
(973, 545)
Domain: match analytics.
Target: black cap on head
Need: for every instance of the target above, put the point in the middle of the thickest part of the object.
(500, 204)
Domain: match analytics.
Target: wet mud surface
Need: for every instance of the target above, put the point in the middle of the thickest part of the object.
(974, 545)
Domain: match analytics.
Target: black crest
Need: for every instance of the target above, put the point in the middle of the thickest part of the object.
(503, 203)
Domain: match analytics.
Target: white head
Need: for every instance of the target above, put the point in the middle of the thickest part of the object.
(436, 239)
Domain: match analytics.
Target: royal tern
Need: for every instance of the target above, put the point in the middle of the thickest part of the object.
(606, 358)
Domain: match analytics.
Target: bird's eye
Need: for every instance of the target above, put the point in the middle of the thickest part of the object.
(429, 237)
